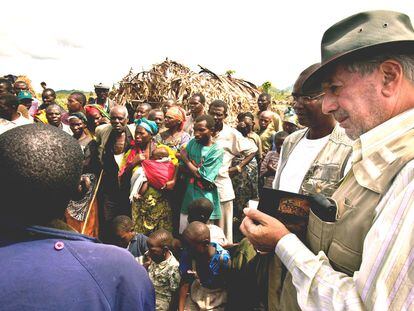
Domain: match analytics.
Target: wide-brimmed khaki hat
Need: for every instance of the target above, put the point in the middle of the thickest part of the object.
(361, 35)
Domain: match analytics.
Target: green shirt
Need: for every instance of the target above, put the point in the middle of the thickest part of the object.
(208, 159)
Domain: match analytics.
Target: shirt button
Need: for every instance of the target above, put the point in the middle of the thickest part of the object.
(59, 246)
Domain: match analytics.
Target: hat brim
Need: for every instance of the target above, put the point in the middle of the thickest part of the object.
(320, 74)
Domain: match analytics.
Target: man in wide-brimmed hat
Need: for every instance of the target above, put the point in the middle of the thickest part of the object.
(362, 259)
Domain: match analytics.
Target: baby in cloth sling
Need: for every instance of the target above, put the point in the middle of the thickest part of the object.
(155, 172)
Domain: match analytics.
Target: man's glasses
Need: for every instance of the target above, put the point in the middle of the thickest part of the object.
(307, 98)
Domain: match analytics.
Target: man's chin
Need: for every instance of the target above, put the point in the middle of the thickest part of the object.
(351, 133)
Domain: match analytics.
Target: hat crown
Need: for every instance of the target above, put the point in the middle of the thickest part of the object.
(24, 95)
(363, 30)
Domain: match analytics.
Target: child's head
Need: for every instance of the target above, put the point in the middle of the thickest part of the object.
(122, 230)
(246, 123)
(278, 139)
(159, 153)
(159, 245)
(197, 238)
(200, 210)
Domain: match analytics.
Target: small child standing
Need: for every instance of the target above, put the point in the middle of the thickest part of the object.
(200, 210)
(269, 163)
(163, 268)
(123, 235)
(203, 266)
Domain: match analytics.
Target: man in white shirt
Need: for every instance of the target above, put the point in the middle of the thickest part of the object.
(305, 166)
(233, 144)
(362, 260)
(9, 116)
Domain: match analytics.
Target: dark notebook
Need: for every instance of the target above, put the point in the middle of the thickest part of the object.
(292, 209)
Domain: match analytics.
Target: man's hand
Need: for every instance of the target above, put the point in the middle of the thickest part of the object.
(265, 235)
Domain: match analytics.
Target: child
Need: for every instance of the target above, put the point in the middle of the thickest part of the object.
(200, 210)
(156, 171)
(125, 237)
(269, 164)
(163, 268)
(203, 267)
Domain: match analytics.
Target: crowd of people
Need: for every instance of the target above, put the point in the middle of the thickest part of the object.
(172, 193)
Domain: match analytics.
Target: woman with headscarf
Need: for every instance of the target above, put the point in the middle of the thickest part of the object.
(152, 211)
(174, 137)
(81, 214)
(96, 116)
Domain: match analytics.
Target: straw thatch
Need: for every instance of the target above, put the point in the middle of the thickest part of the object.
(170, 79)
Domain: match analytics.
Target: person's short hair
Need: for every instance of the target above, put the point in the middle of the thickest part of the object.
(147, 105)
(303, 76)
(10, 100)
(52, 91)
(242, 115)
(200, 210)
(9, 85)
(151, 114)
(165, 237)
(40, 170)
(123, 108)
(80, 97)
(53, 105)
(281, 134)
(122, 223)
(219, 103)
(266, 95)
(209, 121)
(367, 65)
(201, 96)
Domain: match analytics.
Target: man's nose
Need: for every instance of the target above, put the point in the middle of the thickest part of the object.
(329, 104)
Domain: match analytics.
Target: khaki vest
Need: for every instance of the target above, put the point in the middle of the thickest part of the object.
(328, 168)
(356, 198)
(322, 177)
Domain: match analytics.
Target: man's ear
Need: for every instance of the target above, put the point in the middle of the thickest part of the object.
(392, 74)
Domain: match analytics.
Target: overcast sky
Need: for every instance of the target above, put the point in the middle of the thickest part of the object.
(75, 44)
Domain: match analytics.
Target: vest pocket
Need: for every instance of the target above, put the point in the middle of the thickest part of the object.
(319, 234)
(343, 258)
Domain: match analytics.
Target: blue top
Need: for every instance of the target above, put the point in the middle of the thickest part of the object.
(138, 245)
(212, 276)
(51, 269)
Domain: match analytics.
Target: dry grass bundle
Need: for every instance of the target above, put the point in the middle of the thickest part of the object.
(170, 79)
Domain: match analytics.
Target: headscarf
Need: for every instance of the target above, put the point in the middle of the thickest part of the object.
(150, 126)
(91, 108)
(177, 113)
(80, 115)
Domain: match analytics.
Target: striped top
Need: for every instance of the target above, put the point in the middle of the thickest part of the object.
(386, 276)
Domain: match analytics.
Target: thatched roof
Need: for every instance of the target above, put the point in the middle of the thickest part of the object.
(170, 79)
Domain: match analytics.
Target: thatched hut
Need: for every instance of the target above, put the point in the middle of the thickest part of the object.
(170, 79)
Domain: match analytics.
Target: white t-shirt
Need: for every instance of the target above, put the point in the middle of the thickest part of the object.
(299, 162)
(233, 144)
(217, 235)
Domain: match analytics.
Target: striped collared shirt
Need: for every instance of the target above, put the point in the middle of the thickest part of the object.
(386, 276)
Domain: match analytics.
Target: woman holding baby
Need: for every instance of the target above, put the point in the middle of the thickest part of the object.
(150, 168)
